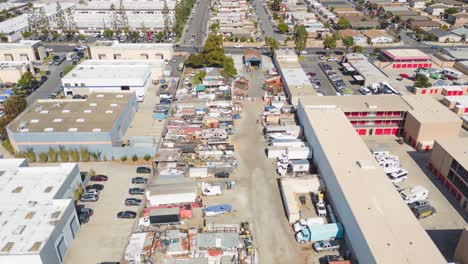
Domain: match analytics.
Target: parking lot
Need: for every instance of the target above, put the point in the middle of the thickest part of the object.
(105, 237)
(309, 64)
(445, 226)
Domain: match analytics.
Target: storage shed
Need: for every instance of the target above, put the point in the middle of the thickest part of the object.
(252, 57)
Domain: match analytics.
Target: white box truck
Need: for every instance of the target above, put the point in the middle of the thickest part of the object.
(295, 153)
(287, 143)
(275, 152)
(300, 166)
(414, 194)
(198, 172)
(303, 223)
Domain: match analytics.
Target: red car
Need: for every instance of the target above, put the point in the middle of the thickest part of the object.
(311, 74)
(404, 75)
(99, 178)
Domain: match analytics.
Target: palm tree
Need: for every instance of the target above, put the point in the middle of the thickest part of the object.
(463, 38)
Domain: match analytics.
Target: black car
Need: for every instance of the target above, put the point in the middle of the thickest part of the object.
(99, 177)
(143, 169)
(95, 186)
(76, 96)
(84, 218)
(139, 180)
(127, 214)
(222, 174)
(132, 202)
(87, 211)
(134, 191)
(328, 258)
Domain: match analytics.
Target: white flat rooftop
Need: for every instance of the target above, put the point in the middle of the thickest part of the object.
(391, 232)
(460, 100)
(134, 46)
(19, 45)
(129, 5)
(28, 207)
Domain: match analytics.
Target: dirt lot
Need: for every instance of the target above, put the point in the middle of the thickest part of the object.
(105, 237)
(445, 226)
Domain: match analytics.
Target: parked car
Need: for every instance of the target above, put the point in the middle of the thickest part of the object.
(126, 215)
(132, 202)
(99, 178)
(329, 258)
(332, 59)
(95, 186)
(139, 180)
(89, 198)
(418, 203)
(136, 191)
(321, 209)
(84, 218)
(364, 90)
(143, 169)
(222, 174)
(326, 245)
(92, 191)
(87, 211)
(398, 176)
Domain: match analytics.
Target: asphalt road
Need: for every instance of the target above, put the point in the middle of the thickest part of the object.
(197, 25)
(51, 85)
(265, 23)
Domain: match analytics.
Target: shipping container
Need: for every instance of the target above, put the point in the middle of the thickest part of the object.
(275, 152)
(198, 172)
(161, 216)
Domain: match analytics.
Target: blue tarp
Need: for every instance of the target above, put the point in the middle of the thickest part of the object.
(219, 208)
(159, 116)
(9, 91)
(269, 107)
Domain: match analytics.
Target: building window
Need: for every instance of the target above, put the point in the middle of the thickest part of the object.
(461, 186)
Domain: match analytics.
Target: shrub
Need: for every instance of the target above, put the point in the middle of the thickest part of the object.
(94, 156)
(92, 172)
(31, 155)
(52, 155)
(134, 157)
(243, 39)
(74, 155)
(64, 155)
(147, 157)
(123, 158)
(43, 157)
(7, 145)
(84, 154)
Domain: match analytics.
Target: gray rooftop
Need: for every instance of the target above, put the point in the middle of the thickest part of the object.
(218, 240)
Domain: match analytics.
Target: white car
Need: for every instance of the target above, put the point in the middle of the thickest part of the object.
(192, 74)
(141, 98)
(364, 90)
(321, 57)
(304, 52)
(321, 209)
(398, 176)
(211, 190)
(331, 59)
(186, 82)
(92, 191)
(238, 46)
(49, 50)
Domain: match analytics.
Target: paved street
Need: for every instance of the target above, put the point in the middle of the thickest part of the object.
(197, 25)
(265, 23)
(51, 85)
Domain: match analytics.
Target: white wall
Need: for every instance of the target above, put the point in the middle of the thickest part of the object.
(20, 259)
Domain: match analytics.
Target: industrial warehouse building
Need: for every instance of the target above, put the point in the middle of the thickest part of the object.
(449, 162)
(98, 123)
(23, 51)
(111, 76)
(405, 58)
(420, 119)
(376, 219)
(363, 67)
(114, 50)
(38, 215)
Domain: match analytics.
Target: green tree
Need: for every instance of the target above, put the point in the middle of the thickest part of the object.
(451, 11)
(397, 19)
(60, 18)
(159, 36)
(26, 34)
(300, 38)
(134, 36)
(243, 39)
(84, 154)
(74, 155)
(43, 157)
(52, 155)
(108, 33)
(198, 78)
(167, 20)
(134, 157)
(329, 42)
(147, 157)
(213, 51)
(348, 42)
(26, 80)
(275, 5)
(357, 49)
(343, 23)
(422, 81)
(214, 27)
(229, 71)
(272, 43)
(282, 27)
(194, 60)
(63, 153)
(14, 106)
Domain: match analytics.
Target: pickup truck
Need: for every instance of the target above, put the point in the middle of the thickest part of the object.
(326, 245)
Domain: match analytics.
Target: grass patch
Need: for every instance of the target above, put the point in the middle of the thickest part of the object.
(7, 145)
(46, 60)
(68, 69)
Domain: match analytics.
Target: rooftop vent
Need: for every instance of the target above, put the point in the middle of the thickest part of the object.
(36, 246)
(87, 111)
(7, 247)
(92, 104)
(65, 111)
(48, 129)
(97, 130)
(17, 189)
(109, 111)
(99, 95)
(32, 203)
(30, 215)
(72, 129)
(48, 189)
(119, 96)
(80, 120)
(19, 230)
(114, 105)
(57, 120)
(44, 112)
(35, 121)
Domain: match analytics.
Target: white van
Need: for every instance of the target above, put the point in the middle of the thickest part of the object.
(452, 73)
(414, 194)
(181, 66)
(398, 176)
(303, 223)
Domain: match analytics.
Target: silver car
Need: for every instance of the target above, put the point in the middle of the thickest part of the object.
(89, 198)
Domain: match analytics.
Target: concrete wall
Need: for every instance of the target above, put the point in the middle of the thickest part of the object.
(461, 252)
(32, 53)
(67, 190)
(49, 253)
(440, 159)
(359, 247)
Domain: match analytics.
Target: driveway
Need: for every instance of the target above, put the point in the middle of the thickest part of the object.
(105, 237)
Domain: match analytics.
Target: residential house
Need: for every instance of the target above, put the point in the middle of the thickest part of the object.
(362, 22)
(378, 36)
(418, 3)
(437, 9)
(459, 19)
(461, 31)
(450, 2)
(423, 24)
(444, 36)
(358, 37)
